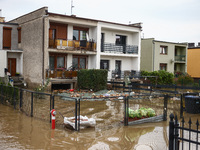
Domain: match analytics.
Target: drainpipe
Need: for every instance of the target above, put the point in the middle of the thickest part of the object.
(153, 53)
(43, 46)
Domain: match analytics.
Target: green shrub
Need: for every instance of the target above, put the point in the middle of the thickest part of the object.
(95, 79)
(185, 80)
(161, 77)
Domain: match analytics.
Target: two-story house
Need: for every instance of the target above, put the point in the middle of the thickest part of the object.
(161, 55)
(11, 54)
(193, 61)
(54, 43)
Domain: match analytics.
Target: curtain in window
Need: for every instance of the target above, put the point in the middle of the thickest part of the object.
(60, 62)
(82, 63)
(51, 62)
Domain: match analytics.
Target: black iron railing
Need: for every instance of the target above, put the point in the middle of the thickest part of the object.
(180, 58)
(119, 49)
(181, 137)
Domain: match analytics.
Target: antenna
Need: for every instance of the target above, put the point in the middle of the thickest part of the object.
(71, 6)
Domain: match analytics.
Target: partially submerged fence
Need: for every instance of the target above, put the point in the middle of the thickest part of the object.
(107, 111)
(182, 136)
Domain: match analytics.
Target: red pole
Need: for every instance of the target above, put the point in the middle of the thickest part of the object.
(53, 117)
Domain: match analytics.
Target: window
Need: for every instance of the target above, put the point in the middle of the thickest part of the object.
(56, 61)
(79, 62)
(7, 37)
(57, 31)
(163, 50)
(19, 34)
(104, 64)
(120, 40)
(80, 33)
(163, 67)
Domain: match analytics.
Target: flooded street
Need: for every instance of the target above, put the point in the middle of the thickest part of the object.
(19, 131)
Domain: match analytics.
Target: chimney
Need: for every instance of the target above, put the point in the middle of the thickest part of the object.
(191, 45)
(2, 19)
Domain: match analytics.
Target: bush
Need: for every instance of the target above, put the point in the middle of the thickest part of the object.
(95, 79)
(163, 77)
(185, 80)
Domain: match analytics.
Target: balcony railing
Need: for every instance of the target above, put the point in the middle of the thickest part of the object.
(60, 74)
(72, 44)
(180, 58)
(119, 49)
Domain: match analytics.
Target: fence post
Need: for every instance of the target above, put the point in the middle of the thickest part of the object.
(181, 107)
(176, 133)
(197, 124)
(125, 111)
(76, 115)
(1, 93)
(31, 104)
(21, 97)
(14, 101)
(165, 107)
(79, 114)
(171, 132)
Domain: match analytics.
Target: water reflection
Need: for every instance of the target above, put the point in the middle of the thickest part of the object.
(18, 131)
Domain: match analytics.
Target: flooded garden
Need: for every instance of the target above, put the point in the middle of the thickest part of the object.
(20, 131)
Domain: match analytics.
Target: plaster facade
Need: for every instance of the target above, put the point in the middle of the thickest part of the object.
(193, 62)
(175, 58)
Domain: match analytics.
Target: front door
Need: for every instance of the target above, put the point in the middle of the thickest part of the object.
(118, 68)
(12, 66)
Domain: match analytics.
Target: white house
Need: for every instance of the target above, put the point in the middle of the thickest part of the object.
(55, 42)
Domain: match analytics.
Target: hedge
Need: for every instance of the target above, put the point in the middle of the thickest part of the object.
(95, 79)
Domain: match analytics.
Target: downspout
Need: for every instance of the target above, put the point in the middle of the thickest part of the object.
(43, 45)
(153, 53)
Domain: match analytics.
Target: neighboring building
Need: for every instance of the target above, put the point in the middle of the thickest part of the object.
(11, 54)
(161, 55)
(193, 61)
(53, 42)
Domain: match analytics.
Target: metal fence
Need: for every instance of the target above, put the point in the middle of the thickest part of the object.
(172, 88)
(107, 111)
(183, 137)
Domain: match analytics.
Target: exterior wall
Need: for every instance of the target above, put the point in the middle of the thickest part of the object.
(193, 62)
(151, 57)
(32, 45)
(14, 35)
(160, 58)
(147, 55)
(3, 62)
(127, 63)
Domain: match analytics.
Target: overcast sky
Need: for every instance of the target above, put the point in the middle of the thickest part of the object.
(165, 20)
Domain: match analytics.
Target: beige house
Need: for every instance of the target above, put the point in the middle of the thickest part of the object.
(161, 55)
(54, 45)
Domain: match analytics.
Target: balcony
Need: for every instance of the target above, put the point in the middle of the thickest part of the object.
(119, 49)
(72, 45)
(60, 74)
(180, 58)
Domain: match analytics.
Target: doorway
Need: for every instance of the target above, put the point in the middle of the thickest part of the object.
(118, 68)
(12, 66)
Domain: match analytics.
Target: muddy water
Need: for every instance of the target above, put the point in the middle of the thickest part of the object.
(18, 131)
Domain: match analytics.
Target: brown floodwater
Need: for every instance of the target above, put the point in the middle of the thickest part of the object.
(19, 131)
